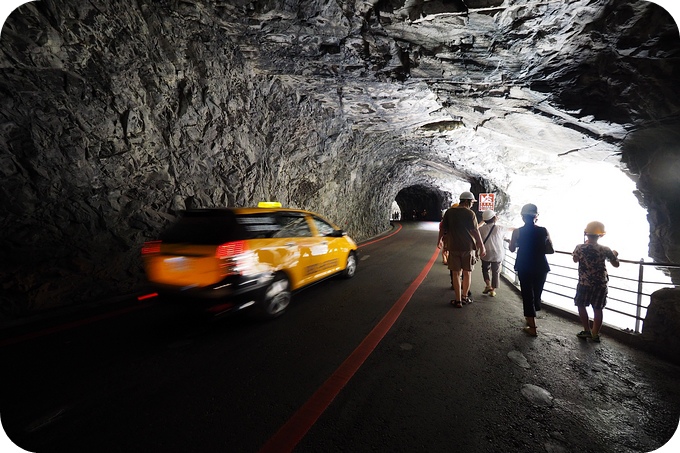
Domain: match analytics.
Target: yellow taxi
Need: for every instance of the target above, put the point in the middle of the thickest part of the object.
(227, 259)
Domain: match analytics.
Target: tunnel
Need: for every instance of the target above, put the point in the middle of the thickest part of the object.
(422, 203)
(117, 117)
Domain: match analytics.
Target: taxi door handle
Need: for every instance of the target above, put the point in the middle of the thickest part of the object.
(290, 244)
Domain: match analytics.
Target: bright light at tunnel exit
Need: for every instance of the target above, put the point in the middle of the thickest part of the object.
(595, 191)
(581, 193)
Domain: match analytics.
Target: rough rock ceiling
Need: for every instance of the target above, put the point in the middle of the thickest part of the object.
(469, 78)
(428, 66)
(480, 84)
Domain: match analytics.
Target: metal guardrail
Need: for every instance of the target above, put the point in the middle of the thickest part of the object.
(629, 292)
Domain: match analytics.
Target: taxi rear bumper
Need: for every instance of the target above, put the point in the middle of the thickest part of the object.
(231, 294)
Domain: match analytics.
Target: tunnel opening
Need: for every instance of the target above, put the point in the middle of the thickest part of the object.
(420, 202)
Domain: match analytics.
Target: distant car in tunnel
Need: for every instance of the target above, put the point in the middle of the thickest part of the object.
(226, 259)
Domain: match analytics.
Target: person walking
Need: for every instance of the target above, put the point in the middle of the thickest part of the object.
(592, 278)
(460, 229)
(532, 243)
(441, 240)
(443, 244)
(493, 236)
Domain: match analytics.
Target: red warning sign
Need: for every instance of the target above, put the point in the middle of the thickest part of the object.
(487, 201)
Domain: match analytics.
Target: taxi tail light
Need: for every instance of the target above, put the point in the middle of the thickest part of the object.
(231, 249)
(235, 258)
(151, 248)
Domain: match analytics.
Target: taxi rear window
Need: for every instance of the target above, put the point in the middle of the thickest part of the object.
(205, 228)
(259, 225)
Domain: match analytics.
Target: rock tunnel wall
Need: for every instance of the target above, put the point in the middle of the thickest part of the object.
(654, 155)
(116, 116)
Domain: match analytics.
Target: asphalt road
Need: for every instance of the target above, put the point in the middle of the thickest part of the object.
(378, 363)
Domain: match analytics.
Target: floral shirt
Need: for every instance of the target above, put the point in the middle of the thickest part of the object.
(591, 264)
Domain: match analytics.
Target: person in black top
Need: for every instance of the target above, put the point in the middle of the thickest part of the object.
(532, 242)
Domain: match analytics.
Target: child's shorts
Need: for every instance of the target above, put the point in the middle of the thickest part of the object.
(591, 295)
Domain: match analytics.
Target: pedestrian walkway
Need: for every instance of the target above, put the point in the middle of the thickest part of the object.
(470, 380)
(607, 392)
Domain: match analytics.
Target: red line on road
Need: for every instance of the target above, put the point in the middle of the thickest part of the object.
(291, 433)
(382, 238)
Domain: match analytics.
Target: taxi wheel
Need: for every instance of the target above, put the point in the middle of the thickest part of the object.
(351, 266)
(276, 297)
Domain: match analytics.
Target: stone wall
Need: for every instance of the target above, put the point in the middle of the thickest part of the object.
(115, 117)
(653, 154)
(661, 330)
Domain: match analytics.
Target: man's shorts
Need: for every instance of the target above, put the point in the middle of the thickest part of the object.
(591, 295)
(462, 260)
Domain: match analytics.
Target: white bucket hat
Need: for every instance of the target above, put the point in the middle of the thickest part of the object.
(488, 215)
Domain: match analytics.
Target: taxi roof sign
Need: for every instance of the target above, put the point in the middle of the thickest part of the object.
(269, 204)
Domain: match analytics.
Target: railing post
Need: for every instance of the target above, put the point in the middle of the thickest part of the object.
(639, 296)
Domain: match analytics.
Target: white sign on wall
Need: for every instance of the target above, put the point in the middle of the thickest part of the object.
(487, 201)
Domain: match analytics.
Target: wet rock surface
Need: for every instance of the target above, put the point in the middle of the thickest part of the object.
(661, 329)
(537, 395)
(117, 116)
(519, 359)
(606, 390)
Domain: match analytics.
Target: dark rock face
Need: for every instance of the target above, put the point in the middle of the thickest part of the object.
(117, 115)
(661, 331)
(653, 154)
